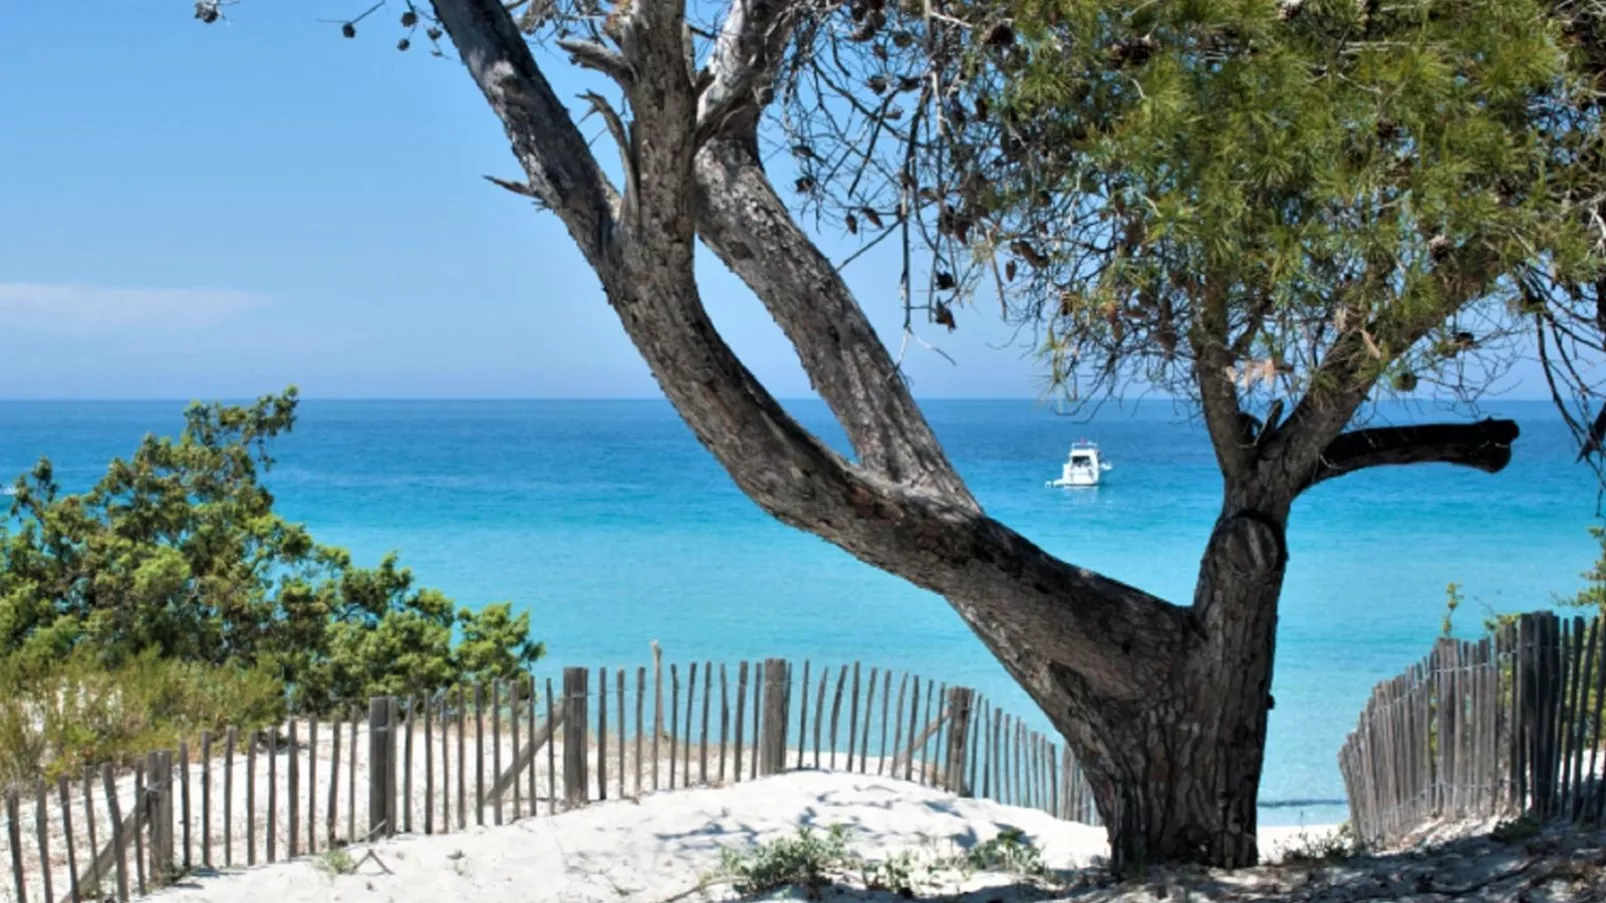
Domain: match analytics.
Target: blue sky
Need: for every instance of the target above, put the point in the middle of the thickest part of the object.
(218, 211)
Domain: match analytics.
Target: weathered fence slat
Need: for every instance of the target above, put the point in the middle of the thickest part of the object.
(251, 798)
(869, 720)
(312, 785)
(641, 703)
(674, 720)
(230, 737)
(819, 713)
(886, 701)
(332, 816)
(479, 754)
(897, 731)
(836, 710)
(741, 712)
(691, 698)
(379, 713)
(724, 718)
(602, 733)
(429, 763)
(184, 800)
(496, 753)
(460, 721)
(575, 698)
(409, 726)
(620, 684)
(353, 715)
(803, 714)
(41, 819)
(293, 846)
(758, 690)
(777, 693)
(64, 799)
(515, 729)
(273, 792)
(552, 752)
(1599, 787)
(853, 716)
(14, 835)
(657, 709)
(120, 831)
(702, 739)
(141, 820)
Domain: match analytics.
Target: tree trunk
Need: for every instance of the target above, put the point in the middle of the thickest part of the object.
(1175, 772)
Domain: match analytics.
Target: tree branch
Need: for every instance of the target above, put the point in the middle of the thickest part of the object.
(740, 213)
(562, 172)
(1339, 388)
(592, 55)
(741, 71)
(1485, 446)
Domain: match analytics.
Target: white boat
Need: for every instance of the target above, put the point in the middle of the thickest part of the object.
(1083, 467)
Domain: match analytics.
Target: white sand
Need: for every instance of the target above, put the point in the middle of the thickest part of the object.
(636, 852)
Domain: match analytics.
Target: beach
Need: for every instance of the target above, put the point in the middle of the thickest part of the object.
(666, 844)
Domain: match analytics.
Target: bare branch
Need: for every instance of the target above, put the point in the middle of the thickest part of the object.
(593, 55)
(740, 74)
(518, 188)
(562, 172)
(1485, 446)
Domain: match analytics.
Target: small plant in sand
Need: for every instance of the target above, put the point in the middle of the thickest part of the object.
(1324, 848)
(806, 860)
(1514, 830)
(335, 862)
(1011, 852)
(901, 874)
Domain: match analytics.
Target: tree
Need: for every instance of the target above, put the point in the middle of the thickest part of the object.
(176, 552)
(1261, 207)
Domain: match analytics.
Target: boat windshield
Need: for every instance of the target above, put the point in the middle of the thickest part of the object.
(1081, 459)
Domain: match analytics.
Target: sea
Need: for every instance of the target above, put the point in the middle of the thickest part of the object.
(613, 527)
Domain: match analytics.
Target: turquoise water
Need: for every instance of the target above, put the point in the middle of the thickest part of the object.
(614, 527)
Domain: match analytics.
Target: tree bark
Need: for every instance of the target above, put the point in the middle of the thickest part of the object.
(1175, 770)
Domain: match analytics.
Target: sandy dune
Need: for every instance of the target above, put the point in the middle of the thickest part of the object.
(630, 852)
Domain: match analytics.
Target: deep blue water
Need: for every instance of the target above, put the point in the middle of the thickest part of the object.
(614, 527)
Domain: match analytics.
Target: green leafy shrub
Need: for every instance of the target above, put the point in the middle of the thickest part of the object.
(1011, 851)
(1516, 830)
(173, 579)
(1324, 848)
(805, 860)
(899, 874)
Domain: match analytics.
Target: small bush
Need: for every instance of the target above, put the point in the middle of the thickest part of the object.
(805, 860)
(1315, 849)
(1515, 830)
(1011, 851)
(900, 874)
(336, 862)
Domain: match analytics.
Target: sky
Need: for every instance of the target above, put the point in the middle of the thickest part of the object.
(220, 211)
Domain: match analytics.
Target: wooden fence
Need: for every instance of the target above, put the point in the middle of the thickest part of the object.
(1506, 725)
(497, 753)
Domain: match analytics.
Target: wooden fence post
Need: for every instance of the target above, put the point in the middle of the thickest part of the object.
(959, 704)
(575, 785)
(381, 767)
(777, 691)
(161, 813)
(14, 832)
